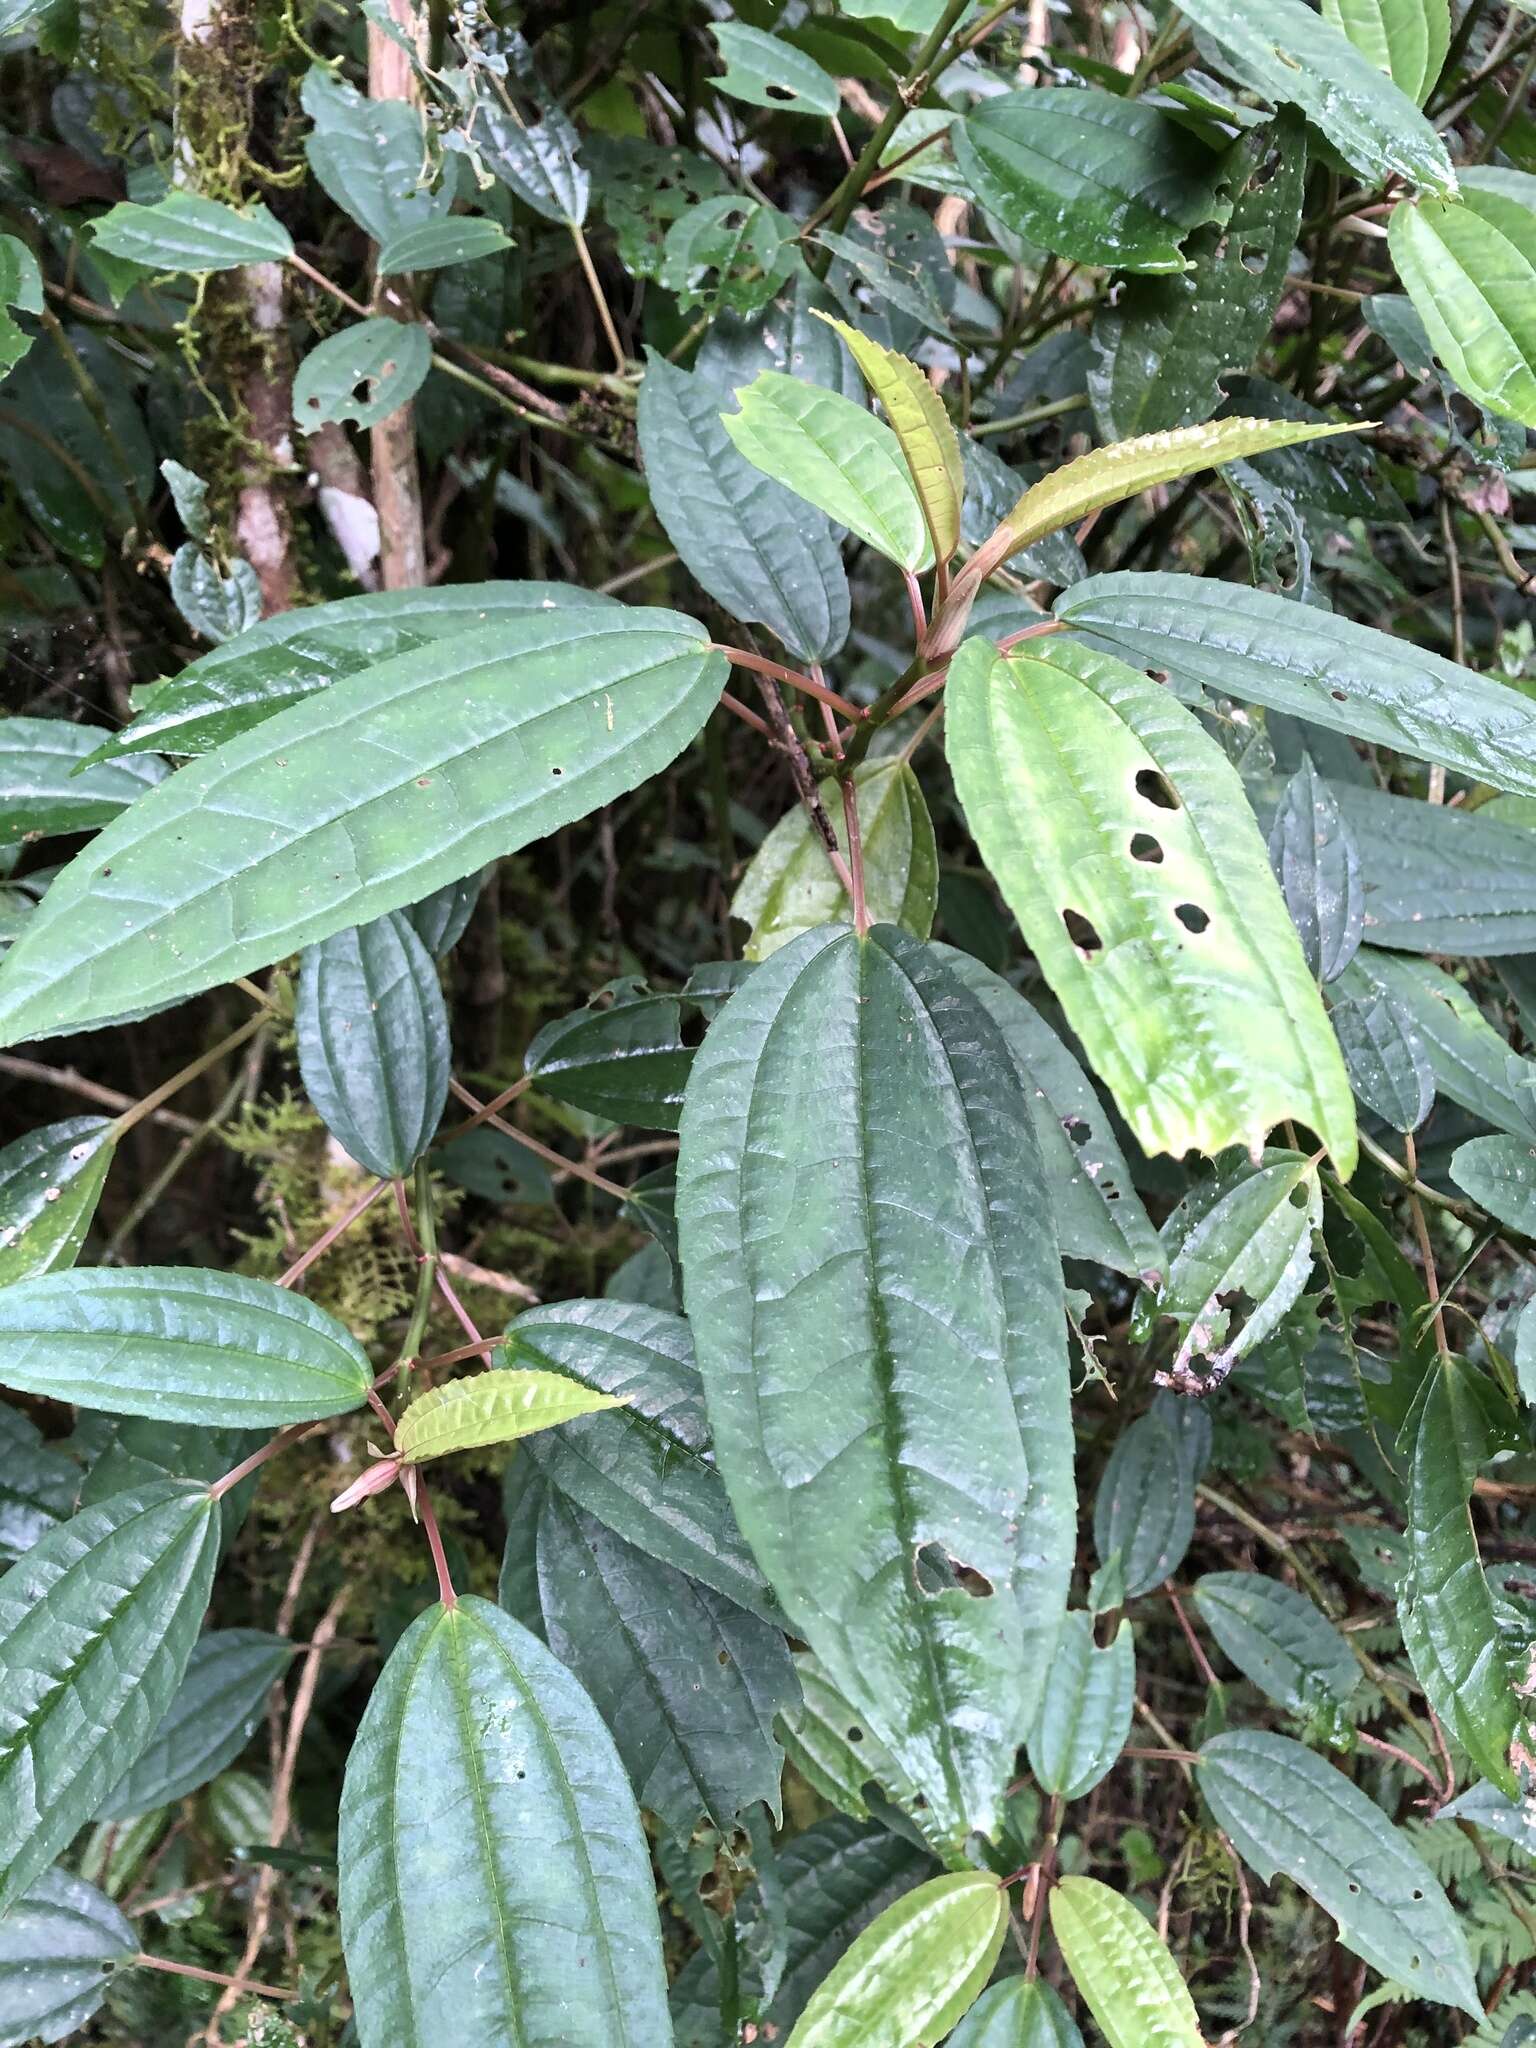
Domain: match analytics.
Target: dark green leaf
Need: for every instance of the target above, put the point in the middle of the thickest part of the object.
(1085, 1715)
(211, 1719)
(37, 1485)
(368, 156)
(829, 1745)
(1471, 1063)
(50, 1182)
(40, 793)
(537, 160)
(1279, 1638)
(216, 606)
(58, 1944)
(625, 1061)
(1388, 1061)
(1144, 1511)
(1440, 879)
(1318, 866)
(1017, 2014)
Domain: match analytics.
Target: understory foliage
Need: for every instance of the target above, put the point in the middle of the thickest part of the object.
(768, 974)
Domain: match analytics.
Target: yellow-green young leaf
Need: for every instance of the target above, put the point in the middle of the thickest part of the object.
(1107, 475)
(1129, 1981)
(837, 457)
(1407, 39)
(1121, 838)
(922, 426)
(914, 1971)
(492, 1408)
(790, 887)
(1470, 269)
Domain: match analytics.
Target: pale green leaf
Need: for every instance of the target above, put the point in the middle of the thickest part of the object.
(1500, 1175)
(922, 426)
(491, 1408)
(1128, 1980)
(1407, 39)
(440, 244)
(186, 232)
(1469, 266)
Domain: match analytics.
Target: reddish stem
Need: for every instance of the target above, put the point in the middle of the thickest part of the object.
(481, 1348)
(855, 858)
(496, 1103)
(743, 658)
(915, 599)
(445, 1591)
(323, 1243)
(1030, 633)
(446, 1289)
(747, 717)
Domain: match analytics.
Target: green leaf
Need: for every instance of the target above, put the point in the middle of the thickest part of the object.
(829, 1745)
(1500, 1175)
(922, 426)
(185, 232)
(913, 1972)
(992, 490)
(1017, 2014)
(1286, 1809)
(217, 606)
(1471, 1063)
(1106, 475)
(1445, 1609)
(239, 1809)
(369, 156)
(37, 1485)
(730, 253)
(855, 1136)
(765, 71)
(1470, 270)
(1407, 39)
(386, 785)
(1123, 843)
(96, 1624)
(1442, 879)
(441, 919)
(535, 1921)
(1296, 57)
(87, 503)
(838, 457)
(298, 653)
(441, 244)
(40, 792)
(1099, 1215)
(372, 1032)
(214, 1714)
(137, 1452)
(58, 1944)
(490, 1408)
(746, 540)
(363, 374)
(1317, 864)
(645, 1468)
(178, 1344)
(688, 1682)
(1240, 1246)
(1085, 1716)
(1269, 650)
(1279, 1638)
(1163, 345)
(789, 887)
(625, 1061)
(1129, 1981)
(1144, 1511)
(21, 285)
(538, 161)
(1386, 1057)
(50, 1183)
(1093, 177)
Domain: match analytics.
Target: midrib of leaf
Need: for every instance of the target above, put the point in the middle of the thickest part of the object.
(671, 1445)
(454, 1624)
(396, 1891)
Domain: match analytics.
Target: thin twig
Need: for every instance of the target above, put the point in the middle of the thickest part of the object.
(328, 1237)
(540, 1151)
(90, 1091)
(595, 285)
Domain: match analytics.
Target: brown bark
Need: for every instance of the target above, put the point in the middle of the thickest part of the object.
(396, 475)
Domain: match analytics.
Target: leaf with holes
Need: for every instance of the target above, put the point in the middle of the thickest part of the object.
(58, 1946)
(539, 1922)
(922, 426)
(21, 286)
(1407, 39)
(48, 785)
(1144, 1511)
(913, 1972)
(766, 71)
(1089, 175)
(1128, 1980)
(214, 1714)
(1280, 1639)
(730, 253)
(828, 1744)
(50, 1183)
(1386, 1057)
(179, 1344)
(1085, 1716)
(372, 1030)
(854, 1136)
(97, 1622)
(1123, 843)
(363, 374)
(1470, 269)
(186, 232)
(838, 457)
(490, 1408)
(789, 887)
(645, 1468)
(1286, 1809)
(384, 786)
(688, 1682)
(1317, 864)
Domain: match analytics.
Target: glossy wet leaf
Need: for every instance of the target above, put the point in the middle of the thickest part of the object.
(179, 1344)
(490, 1408)
(1500, 1175)
(913, 1972)
(215, 1712)
(1288, 1810)
(1017, 2014)
(1123, 843)
(58, 1945)
(1093, 177)
(218, 607)
(50, 1183)
(789, 887)
(1317, 864)
(1386, 1057)
(1128, 1980)
(1469, 266)
(40, 792)
(1298, 58)
(184, 231)
(441, 244)
(688, 1682)
(1471, 1063)
(372, 1029)
(854, 1137)
(363, 374)
(38, 1484)
(766, 71)
(624, 1060)
(829, 1745)
(646, 1469)
(1085, 1716)
(1144, 1511)
(21, 286)
(838, 457)
(1333, 671)
(1407, 39)
(96, 1624)
(752, 544)
(1278, 1637)
(1440, 879)
(538, 1924)
(922, 426)
(386, 785)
